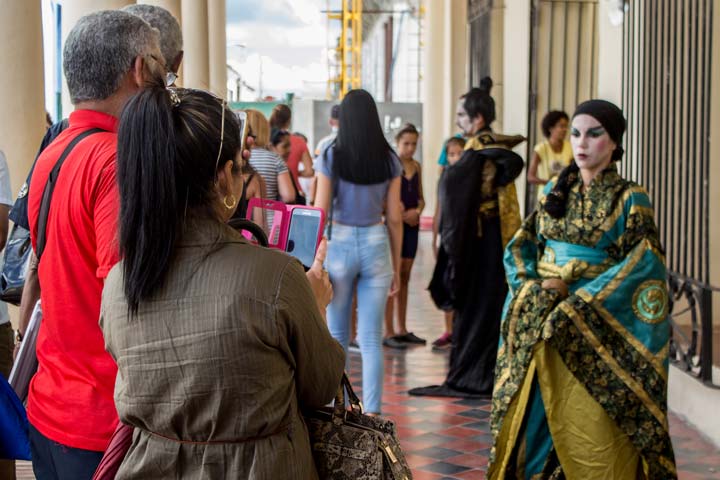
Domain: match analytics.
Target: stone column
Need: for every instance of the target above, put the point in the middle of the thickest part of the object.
(22, 92)
(196, 68)
(433, 96)
(497, 60)
(514, 95)
(175, 8)
(456, 61)
(72, 11)
(217, 46)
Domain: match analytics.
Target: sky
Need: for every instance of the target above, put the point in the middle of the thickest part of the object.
(289, 37)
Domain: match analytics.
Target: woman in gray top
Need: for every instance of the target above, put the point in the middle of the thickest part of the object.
(360, 175)
(219, 343)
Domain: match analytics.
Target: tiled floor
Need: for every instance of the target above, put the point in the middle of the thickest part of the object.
(450, 438)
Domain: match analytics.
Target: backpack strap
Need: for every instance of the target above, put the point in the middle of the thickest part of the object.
(50, 188)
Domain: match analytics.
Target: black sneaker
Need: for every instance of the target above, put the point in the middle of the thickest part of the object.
(394, 342)
(410, 337)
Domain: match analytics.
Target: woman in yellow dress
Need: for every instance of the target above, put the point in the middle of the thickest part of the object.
(552, 154)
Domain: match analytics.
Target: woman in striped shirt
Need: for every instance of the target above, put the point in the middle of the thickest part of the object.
(268, 164)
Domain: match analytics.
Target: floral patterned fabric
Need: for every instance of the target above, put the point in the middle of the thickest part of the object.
(611, 332)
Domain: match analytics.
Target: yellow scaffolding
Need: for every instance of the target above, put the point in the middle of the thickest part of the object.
(349, 49)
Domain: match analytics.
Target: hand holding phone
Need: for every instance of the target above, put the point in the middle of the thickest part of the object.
(319, 278)
(304, 234)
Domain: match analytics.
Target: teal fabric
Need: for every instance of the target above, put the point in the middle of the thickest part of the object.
(623, 292)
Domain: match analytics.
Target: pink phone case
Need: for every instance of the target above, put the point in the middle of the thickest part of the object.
(277, 230)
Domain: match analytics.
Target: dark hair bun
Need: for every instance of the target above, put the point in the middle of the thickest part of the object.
(486, 84)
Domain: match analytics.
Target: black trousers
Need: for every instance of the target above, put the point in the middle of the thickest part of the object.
(55, 461)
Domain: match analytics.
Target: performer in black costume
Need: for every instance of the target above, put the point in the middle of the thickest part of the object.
(480, 214)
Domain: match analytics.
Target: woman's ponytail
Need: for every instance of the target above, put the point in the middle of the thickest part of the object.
(556, 201)
(147, 172)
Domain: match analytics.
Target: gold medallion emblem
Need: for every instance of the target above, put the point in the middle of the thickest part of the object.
(650, 301)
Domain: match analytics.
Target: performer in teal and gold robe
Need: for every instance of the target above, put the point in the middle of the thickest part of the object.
(581, 377)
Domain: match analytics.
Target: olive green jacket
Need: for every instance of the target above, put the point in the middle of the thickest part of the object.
(214, 369)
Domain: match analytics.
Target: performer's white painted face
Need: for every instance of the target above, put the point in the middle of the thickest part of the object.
(591, 144)
(469, 126)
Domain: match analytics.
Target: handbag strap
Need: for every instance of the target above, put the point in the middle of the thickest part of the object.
(252, 227)
(50, 188)
(353, 400)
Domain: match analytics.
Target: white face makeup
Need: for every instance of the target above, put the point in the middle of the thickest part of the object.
(462, 119)
(591, 145)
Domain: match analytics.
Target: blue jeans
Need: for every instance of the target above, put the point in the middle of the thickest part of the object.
(362, 254)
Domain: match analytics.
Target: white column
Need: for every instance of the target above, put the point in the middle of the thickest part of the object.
(433, 97)
(456, 60)
(217, 46)
(72, 11)
(610, 42)
(196, 67)
(497, 60)
(516, 79)
(22, 92)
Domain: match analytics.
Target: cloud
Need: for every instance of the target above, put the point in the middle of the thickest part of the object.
(292, 38)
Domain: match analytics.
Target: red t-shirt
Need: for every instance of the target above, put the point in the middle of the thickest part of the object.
(298, 146)
(71, 395)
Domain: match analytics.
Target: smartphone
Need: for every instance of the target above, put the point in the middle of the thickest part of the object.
(304, 234)
(242, 118)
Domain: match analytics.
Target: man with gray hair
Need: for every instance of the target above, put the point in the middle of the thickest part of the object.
(108, 57)
(171, 42)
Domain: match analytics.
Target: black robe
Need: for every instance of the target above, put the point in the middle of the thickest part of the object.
(469, 276)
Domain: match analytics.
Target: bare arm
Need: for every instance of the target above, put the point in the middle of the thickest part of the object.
(285, 187)
(30, 294)
(532, 171)
(256, 189)
(393, 220)
(323, 193)
(436, 227)
(421, 196)
(306, 160)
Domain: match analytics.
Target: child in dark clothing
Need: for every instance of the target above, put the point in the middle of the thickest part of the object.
(454, 148)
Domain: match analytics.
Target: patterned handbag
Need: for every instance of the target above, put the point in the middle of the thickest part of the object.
(348, 445)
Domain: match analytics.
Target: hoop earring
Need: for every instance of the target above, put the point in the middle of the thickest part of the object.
(230, 205)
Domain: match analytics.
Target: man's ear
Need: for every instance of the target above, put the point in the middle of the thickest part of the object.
(178, 60)
(137, 71)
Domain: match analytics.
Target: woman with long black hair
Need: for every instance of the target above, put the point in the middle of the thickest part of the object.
(359, 174)
(219, 343)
